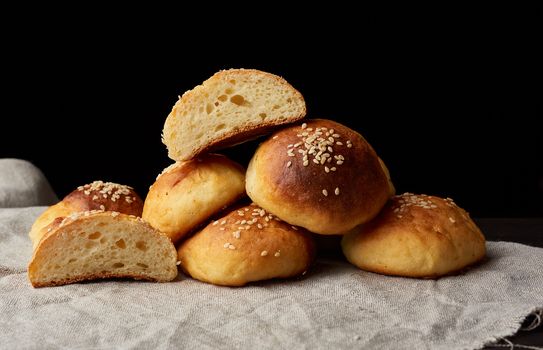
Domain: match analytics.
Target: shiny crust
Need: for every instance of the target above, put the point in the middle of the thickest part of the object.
(416, 241)
(188, 193)
(205, 257)
(294, 193)
(79, 201)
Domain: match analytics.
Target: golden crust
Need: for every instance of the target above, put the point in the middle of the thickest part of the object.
(97, 195)
(416, 236)
(53, 245)
(226, 253)
(190, 192)
(240, 134)
(284, 186)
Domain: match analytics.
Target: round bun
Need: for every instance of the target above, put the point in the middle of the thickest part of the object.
(98, 195)
(107, 196)
(188, 193)
(246, 245)
(320, 175)
(416, 236)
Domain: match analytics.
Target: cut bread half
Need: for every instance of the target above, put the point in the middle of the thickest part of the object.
(98, 244)
(231, 107)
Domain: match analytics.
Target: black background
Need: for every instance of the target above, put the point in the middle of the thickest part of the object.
(452, 112)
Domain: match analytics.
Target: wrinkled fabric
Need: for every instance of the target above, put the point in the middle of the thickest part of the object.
(23, 185)
(334, 306)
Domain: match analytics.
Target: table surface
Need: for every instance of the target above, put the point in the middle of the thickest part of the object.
(525, 231)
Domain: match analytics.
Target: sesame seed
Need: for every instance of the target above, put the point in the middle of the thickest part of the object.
(223, 222)
(339, 162)
(289, 163)
(306, 163)
(275, 137)
(451, 220)
(326, 169)
(178, 263)
(95, 197)
(243, 222)
(264, 253)
(349, 145)
(222, 228)
(336, 191)
(259, 226)
(226, 245)
(339, 143)
(215, 223)
(304, 125)
(102, 207)
(236, 234)
(325, 193)
(240, 213)
(114, 213)
(333, 168)
(277, 254)
(231, 247)
(294, 228)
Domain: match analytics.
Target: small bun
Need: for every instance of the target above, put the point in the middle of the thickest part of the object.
(107, 196)
(188, 193)
(416, 236)
(320, 175)
(96, 244)
(244, 246)
(229, 108)
(98, 195)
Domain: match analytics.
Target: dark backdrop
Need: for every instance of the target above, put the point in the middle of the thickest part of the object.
(449, 117)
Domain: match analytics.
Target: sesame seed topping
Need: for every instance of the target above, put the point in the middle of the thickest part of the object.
(114, 213)
(326, 169)
(275, 137)
(178, 263)
(215, 223)
(294, 228)
(451, 220)
(231, 247)
(289, 163)
(236, 234)
(226, 245)
(95, 197)
(304, 125)
(102, 207)
(325, 193)
(223, 222)
(264, 253)
(277, 254)
(259, 226)
(222, 228)
(336, 191)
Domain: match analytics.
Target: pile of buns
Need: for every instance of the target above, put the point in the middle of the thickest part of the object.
(229, 226)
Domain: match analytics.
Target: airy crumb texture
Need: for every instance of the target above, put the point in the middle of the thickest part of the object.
(94, 245)
(416, 236)
(231, 107)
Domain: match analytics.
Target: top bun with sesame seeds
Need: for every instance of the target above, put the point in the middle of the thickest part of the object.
(231, 107)
(246, 245)
(416, 236)
(320, 175)
(98, 195)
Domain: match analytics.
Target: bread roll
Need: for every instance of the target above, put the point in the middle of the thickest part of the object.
(320, 175)
(97, 195)
(188, 193)
(244, 246)
(97, 244)
(231, 107)
(416, 236)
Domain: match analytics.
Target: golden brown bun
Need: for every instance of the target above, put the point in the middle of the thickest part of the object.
(97, 195)
(188, 193)
(244, 246)
(416, 236)
(231, 107)
(97, 244)
(326, 196)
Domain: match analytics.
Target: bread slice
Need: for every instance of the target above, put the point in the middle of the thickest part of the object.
(231, 107)
(99, 244)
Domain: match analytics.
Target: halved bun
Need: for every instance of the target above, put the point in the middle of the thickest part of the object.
(231, 107)
(96, 244)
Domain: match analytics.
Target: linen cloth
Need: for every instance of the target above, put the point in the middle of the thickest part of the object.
(334, 306)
